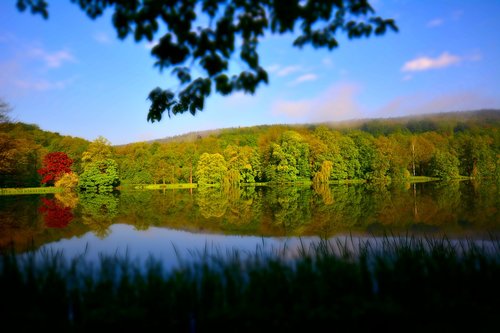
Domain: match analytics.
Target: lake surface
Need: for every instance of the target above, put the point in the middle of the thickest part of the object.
(177, 224)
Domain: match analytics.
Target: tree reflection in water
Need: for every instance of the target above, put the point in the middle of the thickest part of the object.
(212, 201)
(55, 214)
(99, 211)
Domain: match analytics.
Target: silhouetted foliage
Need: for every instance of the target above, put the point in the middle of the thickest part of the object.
(212, 46)
(430, 284)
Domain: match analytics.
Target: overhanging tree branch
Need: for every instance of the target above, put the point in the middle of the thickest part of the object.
(211, 47)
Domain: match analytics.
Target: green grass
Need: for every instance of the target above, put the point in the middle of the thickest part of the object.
(157, 186)
(402, 284)
(347, 181)
(421, 179)
(29, 190)
(169, 186)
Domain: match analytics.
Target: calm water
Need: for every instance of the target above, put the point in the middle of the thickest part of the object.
(177, 224)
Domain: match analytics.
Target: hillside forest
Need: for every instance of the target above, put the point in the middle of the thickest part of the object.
(445, 146)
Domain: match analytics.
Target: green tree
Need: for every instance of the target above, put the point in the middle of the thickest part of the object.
(136, 163)
(477, 155)
(233, 25)
(444, 165)
(289, 158)
(100, 176)
(211, 169)
(422, 151)
(392, 158)
(332, 140)
(100, 170)
(350, 155)
(367, 152)
(245, 161)
(381, 160)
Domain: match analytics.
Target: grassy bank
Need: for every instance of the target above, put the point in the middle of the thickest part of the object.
(421, 179)
(416, 179)
(404, 284)
(29, 190)
(156, 186)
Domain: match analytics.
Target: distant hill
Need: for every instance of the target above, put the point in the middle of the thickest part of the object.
(444, 121)
(415, 123)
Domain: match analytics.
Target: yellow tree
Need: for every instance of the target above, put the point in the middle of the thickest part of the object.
(211, 169)
(98, 150)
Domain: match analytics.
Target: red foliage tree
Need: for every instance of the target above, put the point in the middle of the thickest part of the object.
(54, 166)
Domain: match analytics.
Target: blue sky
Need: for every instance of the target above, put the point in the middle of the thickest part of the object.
(71, 75)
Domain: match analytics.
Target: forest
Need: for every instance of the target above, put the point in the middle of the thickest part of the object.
(444, 145)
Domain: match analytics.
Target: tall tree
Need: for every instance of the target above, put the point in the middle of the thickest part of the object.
(422, 150)
(98, 150)
(245, 161)
(100, 170)
(211, 169)
(100, 176)
(289, 158)
(212, 46)
(55, 165)
(444, 165)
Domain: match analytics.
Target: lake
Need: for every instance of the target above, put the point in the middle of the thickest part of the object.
(183, 224)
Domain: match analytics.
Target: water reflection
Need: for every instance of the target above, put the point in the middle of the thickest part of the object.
(455, 208)
(55, 214)
(212, 201)
(175, 248)
(98, 211)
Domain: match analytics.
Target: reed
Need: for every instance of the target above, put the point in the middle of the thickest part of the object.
(393, 283)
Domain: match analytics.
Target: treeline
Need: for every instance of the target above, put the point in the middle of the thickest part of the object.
(444, 146)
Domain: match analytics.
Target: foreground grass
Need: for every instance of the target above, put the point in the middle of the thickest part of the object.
(404, 284)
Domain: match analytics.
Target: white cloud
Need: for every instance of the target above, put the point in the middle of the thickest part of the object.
(425, 63)
(336, 103)
(54, 59)
(327, 62)
(102, 38)
(304, 78)
(43, 84)
(238, 99)
(273, 68)
(288, 70)
(435, 23)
